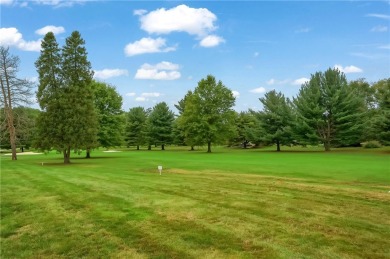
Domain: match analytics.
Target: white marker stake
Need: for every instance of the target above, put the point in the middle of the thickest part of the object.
(159, 168)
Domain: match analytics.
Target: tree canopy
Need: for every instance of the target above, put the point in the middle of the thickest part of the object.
(69, 119)
(208, 113)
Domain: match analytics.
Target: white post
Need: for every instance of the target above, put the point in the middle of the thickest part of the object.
(159, 168)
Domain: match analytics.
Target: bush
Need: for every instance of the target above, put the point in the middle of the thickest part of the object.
(372, 144)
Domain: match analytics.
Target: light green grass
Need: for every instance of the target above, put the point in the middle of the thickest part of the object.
(228, 204)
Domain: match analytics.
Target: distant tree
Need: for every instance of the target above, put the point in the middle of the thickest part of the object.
(208, 115)
(276, 119)
(136, 127)
(381, 122)
(181, 130)
(24, 122)
(328, 110)
(69, 119)
(108, 103)
(362, 88)
(245, 123)
(160, 124)
(14, 92)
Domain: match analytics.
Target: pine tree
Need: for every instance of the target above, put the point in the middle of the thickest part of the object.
(328, 111)
(161, 124)
(136, 127)
(65, 94)
(276, 119)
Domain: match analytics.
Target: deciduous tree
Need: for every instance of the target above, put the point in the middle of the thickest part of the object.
(208, 115)
(14, 92)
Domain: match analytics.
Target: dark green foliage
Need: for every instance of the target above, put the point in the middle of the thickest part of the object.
(136, 127)
(208, 116)
(247, 129)
(108, 103)
(276, 119)
(382, 120)
(329, 111)
(160, 125)
(69, 119)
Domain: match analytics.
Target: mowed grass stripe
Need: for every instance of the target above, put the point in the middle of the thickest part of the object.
(103, 208)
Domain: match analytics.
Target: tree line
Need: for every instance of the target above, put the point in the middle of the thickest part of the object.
(78, 113)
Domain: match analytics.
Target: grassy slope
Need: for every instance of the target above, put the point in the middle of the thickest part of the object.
(237, 204)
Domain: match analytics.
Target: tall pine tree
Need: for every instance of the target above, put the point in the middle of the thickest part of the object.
(160, 125)
(276, 119)
(65, 94)
(136, 127)
(329, 111)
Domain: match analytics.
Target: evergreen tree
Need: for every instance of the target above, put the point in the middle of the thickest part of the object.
(382, 120)
(65, 93)
(329, 111)
(208, 116)
(276, 119)
(50, 95)
(136, 127)
(161, 124)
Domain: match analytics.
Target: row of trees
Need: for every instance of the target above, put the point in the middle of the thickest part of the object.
(78, 113)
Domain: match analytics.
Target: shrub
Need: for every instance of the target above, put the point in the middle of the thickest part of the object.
(372, 144)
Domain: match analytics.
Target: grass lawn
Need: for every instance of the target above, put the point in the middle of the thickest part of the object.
(228, 204)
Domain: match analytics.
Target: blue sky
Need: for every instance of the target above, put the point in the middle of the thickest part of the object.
(154, 51)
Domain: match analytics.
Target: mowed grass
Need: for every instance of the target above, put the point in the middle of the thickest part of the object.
(228, 204)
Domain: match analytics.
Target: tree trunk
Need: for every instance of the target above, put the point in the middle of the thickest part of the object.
(149, 147)
(88, 153)
(327, 145)
(67, 155)
(192, 148)
(209, 147)
(278, 146)
(5, 89)
(137, 147)
(162, 147)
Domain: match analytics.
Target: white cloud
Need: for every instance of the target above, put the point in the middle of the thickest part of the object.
(380, 16)
(6, 2)
(130, 94)
(271, 81)
(300, 81)
(147, 45)
(380, 28)
(194, 21)
(348, 69)
(139, 12)
(59, 3)
(211, 41)
(236, 94)
(303, 30)
(108, 73)
(259, 90)
(150, 94)
(161, 71)
(50, 28)
(141, 99)
(11, 37)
